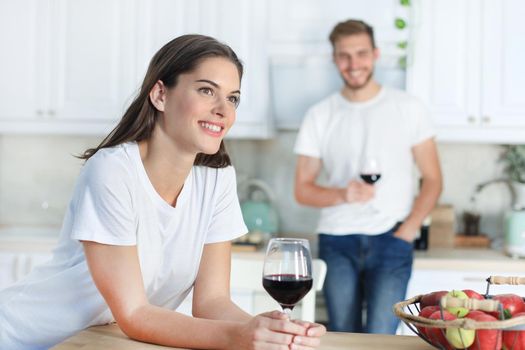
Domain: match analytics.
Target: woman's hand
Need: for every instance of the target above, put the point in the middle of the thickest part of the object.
(312, 338)
(274, 331)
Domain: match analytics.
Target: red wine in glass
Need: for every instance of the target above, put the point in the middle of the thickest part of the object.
(370, 178)
(370, 173)
(370, 169)
(287, 290)
(287, 271)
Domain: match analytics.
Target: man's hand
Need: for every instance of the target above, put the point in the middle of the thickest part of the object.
(357, 191)
(407, 231)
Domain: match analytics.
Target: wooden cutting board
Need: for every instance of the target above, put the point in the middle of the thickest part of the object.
(478, 241)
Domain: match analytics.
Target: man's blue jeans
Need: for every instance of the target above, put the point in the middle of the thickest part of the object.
(365, 271)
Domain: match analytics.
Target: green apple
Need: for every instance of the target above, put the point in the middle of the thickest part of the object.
(458, 311)
(460, 338)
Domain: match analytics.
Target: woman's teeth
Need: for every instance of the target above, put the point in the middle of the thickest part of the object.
(211, 127)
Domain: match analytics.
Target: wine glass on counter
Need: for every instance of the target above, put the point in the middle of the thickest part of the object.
(287, 271)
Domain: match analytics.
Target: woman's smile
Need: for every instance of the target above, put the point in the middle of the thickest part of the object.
(211, 128)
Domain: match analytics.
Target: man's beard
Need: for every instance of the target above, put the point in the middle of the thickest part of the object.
(360, 86)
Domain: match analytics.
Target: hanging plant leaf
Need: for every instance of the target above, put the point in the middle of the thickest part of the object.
(404, 2)
(402, 44)
(514, 159)
(402, 62)
(400, 23)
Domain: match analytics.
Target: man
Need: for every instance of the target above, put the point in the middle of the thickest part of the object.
(366, 230)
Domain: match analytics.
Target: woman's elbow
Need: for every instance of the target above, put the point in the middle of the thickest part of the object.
(130, 324)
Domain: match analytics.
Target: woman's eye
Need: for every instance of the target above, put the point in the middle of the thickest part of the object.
(235, 100)
(206, 90)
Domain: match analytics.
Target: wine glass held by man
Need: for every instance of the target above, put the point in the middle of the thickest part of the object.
(370, 169)
(152, 216)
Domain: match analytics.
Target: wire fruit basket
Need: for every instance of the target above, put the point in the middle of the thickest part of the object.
(446, 332)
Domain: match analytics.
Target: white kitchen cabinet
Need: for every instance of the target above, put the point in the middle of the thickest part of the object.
(68, 67)
(467, 65)
(74, 66)
(243, 25)
(21, 88)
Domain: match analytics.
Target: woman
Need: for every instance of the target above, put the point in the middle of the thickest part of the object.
(152, 216)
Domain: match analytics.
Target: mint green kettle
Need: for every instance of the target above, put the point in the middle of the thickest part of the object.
(515, 233)
(258, 209)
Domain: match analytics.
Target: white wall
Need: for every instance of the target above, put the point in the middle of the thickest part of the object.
(35, 170)
(37, 175)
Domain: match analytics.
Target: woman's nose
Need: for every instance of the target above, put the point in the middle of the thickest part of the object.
(220, 108)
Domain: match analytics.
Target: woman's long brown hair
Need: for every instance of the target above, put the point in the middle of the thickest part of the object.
(181, 55)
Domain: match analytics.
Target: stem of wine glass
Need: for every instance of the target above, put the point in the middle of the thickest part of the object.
(288, 312)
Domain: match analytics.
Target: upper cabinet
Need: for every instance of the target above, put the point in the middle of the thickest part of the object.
(74, 66)
(242, 25)
(467, 64)
(68, 66)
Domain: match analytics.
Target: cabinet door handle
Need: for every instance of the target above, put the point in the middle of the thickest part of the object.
(471, 119)
(486, 119)
(39, 112)
(51, 113)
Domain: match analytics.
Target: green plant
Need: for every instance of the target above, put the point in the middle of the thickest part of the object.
(402, 24)
(514, 159)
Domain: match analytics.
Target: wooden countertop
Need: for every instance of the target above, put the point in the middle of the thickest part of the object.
(474, 259)
(44, 239)
(467, 259)
(111, 337)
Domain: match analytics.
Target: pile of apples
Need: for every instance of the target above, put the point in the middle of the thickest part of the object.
(481, 339)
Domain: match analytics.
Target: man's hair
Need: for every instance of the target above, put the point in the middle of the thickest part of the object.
(352, 27)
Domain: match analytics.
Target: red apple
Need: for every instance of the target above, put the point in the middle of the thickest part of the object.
(426, 312)
(437, 335)
(431, 298)
(511, 303)
(485, 339)
(514, 340)
(473, 295)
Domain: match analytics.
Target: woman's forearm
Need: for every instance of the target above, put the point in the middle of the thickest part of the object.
(221, 308)
(157, 325)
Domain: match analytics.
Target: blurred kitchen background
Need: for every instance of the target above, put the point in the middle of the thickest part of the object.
(69, 68)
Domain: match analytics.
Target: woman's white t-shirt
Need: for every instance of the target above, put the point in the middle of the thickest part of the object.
(115, 203)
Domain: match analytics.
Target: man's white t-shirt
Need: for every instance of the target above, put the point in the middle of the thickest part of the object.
(115, 203)
(340, 133)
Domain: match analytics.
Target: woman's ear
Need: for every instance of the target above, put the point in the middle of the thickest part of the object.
(157, 95)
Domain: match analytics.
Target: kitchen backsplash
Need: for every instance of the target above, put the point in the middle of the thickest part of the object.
(37, 175)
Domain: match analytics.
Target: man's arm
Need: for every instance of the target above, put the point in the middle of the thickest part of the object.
(307, 192)
(427, 160)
